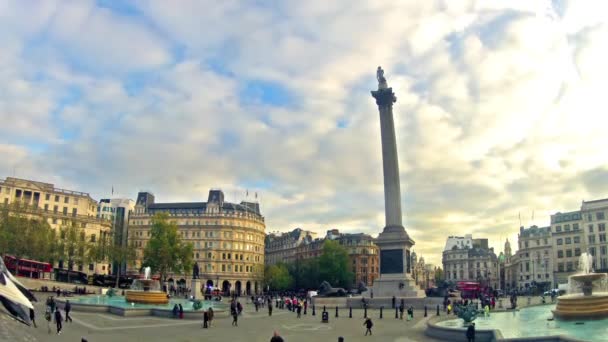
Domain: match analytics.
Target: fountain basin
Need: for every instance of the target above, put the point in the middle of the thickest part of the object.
(577, 306)
(148, 297)
(146, 291)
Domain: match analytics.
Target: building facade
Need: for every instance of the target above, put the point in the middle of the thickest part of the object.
(117, 210)
(281, 247)
(60, 208)
(362, 253)
(547, 256)
(228, 239)
(470, 260)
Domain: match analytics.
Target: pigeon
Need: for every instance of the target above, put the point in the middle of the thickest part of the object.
(14, 296)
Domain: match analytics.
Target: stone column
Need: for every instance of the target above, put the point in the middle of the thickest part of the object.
(390, 162)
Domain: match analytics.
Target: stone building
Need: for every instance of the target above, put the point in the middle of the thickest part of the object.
(534, 259)
(282, 247)
(471, 260)
(362, 253)
(228, 239)
(60, 208)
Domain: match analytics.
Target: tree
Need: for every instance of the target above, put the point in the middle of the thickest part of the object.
(165, 252)
(122, 255)
(277, 277)
(334, 265)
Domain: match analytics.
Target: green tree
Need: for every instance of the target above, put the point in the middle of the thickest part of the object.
(334, 265)
(165, 252)
(277, 277)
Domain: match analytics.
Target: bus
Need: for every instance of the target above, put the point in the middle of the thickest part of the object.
(468, 289)
(27, 268)
(74, 277)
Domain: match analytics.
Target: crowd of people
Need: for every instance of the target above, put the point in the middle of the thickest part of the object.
(53, 314)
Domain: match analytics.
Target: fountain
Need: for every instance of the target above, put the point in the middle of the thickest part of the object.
(146, 291)
(588, 305)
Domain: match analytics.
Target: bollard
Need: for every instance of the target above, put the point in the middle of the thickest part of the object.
(425, 314)
(396, 313)
(336, 311)
(340, 339)
(382, 307)
(324, 309)
(437, 310)
(313, 309)
(350, 312)
(365, 312)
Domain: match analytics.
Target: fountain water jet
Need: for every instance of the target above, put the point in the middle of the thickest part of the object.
(587, 305)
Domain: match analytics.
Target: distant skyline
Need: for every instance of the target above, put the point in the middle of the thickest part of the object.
(500, 107)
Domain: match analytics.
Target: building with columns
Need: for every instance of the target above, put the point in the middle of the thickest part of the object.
(228, 239)
(60, 208)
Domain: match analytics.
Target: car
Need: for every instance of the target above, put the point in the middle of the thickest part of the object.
(554, 292)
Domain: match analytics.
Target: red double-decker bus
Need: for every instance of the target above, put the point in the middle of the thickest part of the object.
(27, 268)
(469, 290)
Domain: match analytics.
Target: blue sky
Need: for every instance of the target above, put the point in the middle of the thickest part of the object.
(492, 119)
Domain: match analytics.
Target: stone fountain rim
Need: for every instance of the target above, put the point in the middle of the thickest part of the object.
(589, 276)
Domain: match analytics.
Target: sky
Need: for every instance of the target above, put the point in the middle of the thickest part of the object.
(500, 110)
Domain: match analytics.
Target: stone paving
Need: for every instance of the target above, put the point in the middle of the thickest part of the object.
(253, 327)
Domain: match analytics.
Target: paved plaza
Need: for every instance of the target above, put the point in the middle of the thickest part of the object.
(253, 327)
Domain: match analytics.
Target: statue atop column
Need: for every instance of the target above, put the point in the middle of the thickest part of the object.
(382, 84)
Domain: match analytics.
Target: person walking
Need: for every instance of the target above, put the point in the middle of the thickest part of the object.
(68, 308)
(299, 310)
(48, 317)
(235, 318)
(58, 320)
(205, 319)
(394, 300)
(181, 312)
(401, 309)
(269, 310)
(471, 333)
(175, 311)
(33, 317)
(210, 315)
(368, 325)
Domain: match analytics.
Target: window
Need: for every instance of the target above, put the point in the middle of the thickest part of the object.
(560, 267)
(577, 252)
(46, 207)
(575, 226)
(560, 254)
(74, 211)
(567, 227)
(589, 217)
(91, 267)
(66, 199)
(526, 243)
(560, 241)
(569, 253)
(591, 238)
(65, 210)
(569, 267)
(47, 197)
(602, 237)
(577, 239)
(546, 242)
(55, 209)
(592, 251)
(601, 227)
(56, 198)
(603, 250)
(599, 215)
(558, 228)
(590, 228)
(223, 268)
(568, 241)
(93, 238)
(527, 267)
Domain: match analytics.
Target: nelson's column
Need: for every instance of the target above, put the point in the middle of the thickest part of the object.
(394, 242)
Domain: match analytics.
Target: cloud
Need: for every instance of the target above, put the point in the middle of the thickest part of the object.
(499, 107)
